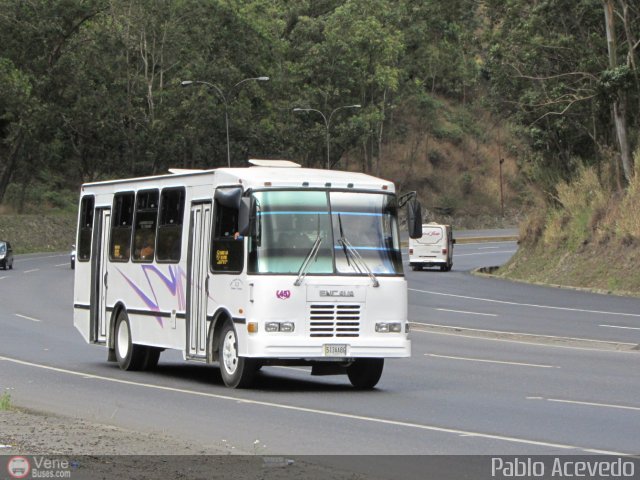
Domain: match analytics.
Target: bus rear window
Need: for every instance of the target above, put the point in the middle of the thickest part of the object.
(85, 228)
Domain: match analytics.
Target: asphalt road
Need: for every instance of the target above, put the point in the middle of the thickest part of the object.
(457, 394)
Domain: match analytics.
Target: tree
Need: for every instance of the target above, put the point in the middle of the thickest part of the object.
(550, 64)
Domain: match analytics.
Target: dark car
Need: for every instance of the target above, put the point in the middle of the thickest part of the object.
(6, 255)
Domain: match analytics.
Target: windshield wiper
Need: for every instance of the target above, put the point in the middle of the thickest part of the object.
(344, 246)
(311, 256)
(358, 261)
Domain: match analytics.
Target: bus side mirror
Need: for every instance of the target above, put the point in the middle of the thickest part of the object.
(414, 219)
(247, 218)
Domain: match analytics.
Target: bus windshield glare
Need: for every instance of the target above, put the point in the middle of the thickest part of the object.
(290, 222)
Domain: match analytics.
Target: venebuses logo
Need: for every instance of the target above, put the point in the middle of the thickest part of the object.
(18, 467)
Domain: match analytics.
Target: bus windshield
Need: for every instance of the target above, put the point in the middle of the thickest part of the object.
(290, 222)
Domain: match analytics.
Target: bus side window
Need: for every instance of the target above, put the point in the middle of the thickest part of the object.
(170, 225)
(227, 253)
(85, 228)
(146, 219)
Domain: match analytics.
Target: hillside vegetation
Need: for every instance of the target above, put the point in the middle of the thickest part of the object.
(432, 95)
(39, 233)
(589, 238)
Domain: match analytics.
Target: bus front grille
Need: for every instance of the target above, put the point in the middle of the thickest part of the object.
(326, 320)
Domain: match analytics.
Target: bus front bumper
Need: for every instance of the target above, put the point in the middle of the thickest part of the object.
(328, 349)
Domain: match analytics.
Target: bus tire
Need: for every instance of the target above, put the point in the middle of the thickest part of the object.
(128, 355)
(236, 371)
(364, 373)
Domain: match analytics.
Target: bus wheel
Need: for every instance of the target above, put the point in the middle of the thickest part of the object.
(128, 355)
(237, 372)
(364, 373)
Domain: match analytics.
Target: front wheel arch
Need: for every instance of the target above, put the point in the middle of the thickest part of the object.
(214, 332)
(236, 371)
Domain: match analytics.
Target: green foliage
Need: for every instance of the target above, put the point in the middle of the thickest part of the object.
(5, 402)
(549, 70)
(451, 132)
(466, 183)
(571, 224)
(435, 157)
(448, 204)
(91, 90)
(615, 80)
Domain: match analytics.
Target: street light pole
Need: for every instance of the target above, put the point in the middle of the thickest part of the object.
(501, 194)
(223, 97)
(327, 123)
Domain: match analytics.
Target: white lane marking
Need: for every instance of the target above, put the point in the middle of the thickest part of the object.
(482, 360)
(504, 302)
(31, 259)
(458, 245)
(620, 326)
(31, 271)
(487, 248)
(469, 313)
(590, 404)
(484, 253)
(62, 265)
(2, 278)
(521, 342)
(327, 413)
(525, 334)
(26, 318)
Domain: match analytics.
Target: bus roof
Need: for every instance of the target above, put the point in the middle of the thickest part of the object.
(259, 177)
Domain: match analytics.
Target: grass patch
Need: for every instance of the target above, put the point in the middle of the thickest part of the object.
(5, 402)
(589, 237)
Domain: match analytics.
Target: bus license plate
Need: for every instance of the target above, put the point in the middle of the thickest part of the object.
(335, 350)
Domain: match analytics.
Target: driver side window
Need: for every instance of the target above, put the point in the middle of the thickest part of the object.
(227, 252)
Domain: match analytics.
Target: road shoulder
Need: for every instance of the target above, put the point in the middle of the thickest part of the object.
(104, 451)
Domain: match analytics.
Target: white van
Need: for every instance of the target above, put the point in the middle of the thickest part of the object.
(434, 249)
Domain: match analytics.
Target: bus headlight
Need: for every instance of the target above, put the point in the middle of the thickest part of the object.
(280, 327)
(287, 327)
(384, 327)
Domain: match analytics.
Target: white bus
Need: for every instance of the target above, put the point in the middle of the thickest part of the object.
(272, 264)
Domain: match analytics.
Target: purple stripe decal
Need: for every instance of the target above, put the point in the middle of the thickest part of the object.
(172, 282)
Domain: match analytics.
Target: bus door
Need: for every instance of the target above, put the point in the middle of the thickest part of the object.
(198, 279)
(99, 275)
